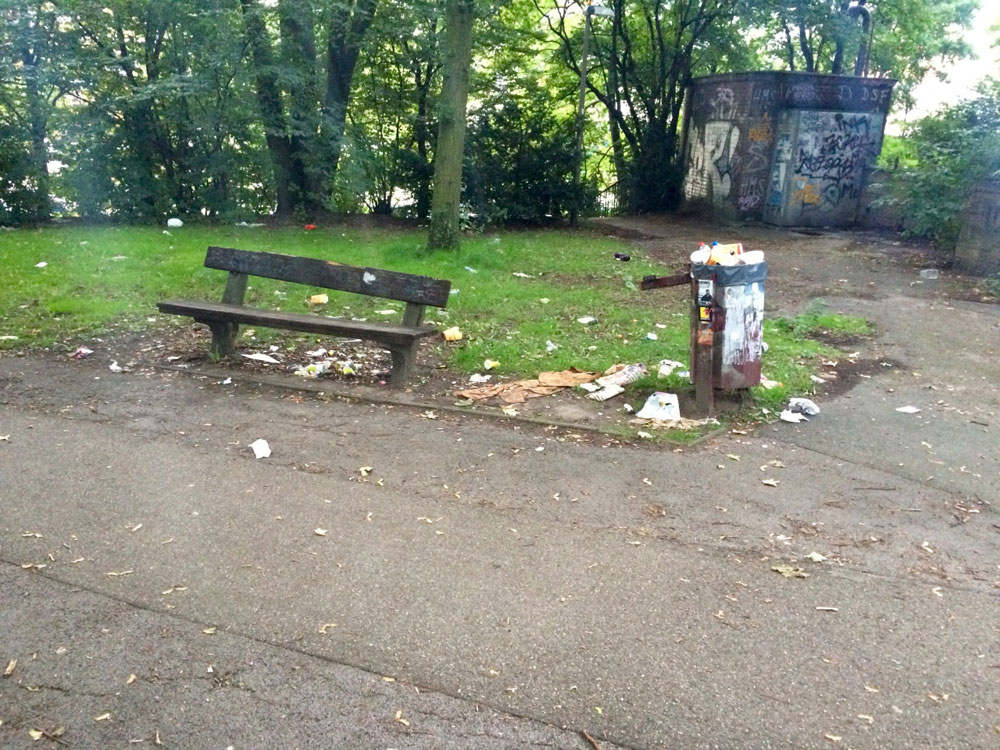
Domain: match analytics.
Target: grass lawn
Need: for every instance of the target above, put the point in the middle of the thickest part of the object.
(98, 280)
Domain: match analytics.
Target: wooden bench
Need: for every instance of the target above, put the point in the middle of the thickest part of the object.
(224, 318)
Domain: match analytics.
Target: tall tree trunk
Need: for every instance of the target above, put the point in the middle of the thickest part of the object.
(38, 123)
(269, 102)
(444, 229)
(347, 28)
(422, 138)
(310, 168)
(31, 54)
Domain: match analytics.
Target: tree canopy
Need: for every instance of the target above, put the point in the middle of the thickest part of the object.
(136, 109)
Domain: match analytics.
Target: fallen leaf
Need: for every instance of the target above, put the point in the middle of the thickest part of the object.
(366, 470)
(36, 734)
(872, 689)
(645, 480)
(131, 678)
(211, 630)
(320, 532)
(832, 737)
(732, 457)
(510, 411)
(789, 571)
(103, 717)
(937, 591)
(399, 718)
(600, 711)
(11, 666)
(429, 415)
(770, 482)
(866, 717)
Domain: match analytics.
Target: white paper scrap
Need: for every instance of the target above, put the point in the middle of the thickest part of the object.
(256, 357)
(793, 417)
(260, 448)
(662, 407)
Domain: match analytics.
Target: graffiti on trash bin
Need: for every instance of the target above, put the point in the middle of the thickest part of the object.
(744, 326)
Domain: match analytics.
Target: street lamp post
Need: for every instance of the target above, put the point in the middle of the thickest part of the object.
(592, 10)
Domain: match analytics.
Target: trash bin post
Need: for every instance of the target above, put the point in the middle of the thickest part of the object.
(703, 345)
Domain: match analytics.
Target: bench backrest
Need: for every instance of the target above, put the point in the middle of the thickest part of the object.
(406, 287)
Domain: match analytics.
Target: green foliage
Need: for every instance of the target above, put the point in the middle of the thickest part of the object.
(818, 320)
(953, 149)
(907, 38)
(520, 159)
(232, 108)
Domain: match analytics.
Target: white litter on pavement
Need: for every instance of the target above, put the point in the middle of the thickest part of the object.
(260, 448)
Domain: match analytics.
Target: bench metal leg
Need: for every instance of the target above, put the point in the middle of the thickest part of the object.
(403, 360)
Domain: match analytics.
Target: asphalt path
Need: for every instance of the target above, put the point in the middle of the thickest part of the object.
(388, 579)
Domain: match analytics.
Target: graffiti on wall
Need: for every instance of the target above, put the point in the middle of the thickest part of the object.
(833, 151)
(756, 145)
(711, 161)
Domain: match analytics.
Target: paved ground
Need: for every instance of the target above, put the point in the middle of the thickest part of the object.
(495, 585)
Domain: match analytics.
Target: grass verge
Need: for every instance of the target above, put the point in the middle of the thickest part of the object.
(517, 296)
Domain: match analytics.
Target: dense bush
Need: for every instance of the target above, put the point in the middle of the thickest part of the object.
(946, 154)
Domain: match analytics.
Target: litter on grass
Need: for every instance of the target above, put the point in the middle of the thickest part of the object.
(803, 406)
(587, 320)
(314, 369)
(609, 391)
(519, 391)
(81, 352)
(319, 299)
(452, 334)
(174, 223)
(622, 374)
(660, 407)
(794, 417)
(266, 358)
(669, 366)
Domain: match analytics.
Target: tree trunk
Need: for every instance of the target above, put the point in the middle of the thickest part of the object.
(422, 137)
(269, 101)
(31, 55)
(346, 33)
(38, 123)
(444, 229)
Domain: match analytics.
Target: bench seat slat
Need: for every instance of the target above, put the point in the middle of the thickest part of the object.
(385, 333)
(374, 282)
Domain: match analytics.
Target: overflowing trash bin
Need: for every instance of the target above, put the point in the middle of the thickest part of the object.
(731, 300)
(727, 317)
